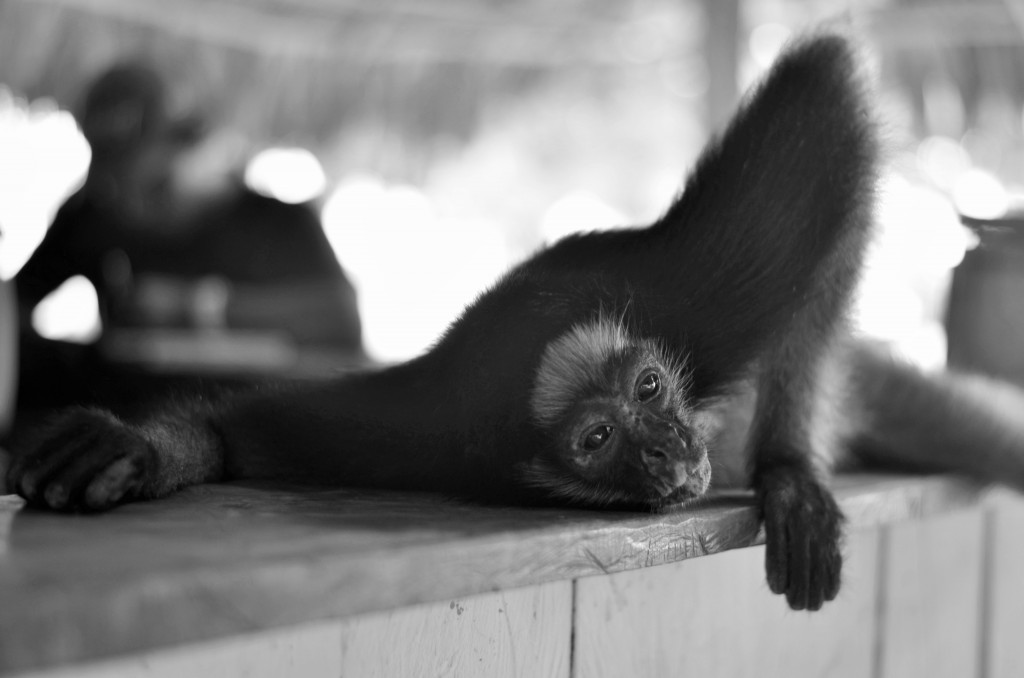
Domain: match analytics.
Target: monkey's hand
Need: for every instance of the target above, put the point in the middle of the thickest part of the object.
(84, 460)
(803, 530)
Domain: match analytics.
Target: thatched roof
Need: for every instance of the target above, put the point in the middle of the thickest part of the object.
(305, 71)
(304, 68)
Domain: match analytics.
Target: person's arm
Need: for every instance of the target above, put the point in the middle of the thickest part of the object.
(59, 256)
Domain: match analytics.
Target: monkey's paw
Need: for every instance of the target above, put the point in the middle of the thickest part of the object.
(803, 530)
(86, 459)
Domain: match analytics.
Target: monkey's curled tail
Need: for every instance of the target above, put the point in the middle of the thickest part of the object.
(948, 421)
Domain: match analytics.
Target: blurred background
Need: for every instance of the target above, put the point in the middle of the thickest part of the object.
(440, 141)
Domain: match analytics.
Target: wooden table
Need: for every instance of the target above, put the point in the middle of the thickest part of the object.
(221, 561)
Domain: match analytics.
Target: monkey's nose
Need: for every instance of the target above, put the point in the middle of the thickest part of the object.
(653, 456)
(666, 474)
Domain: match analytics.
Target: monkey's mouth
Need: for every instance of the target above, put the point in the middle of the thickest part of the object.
(682, 486)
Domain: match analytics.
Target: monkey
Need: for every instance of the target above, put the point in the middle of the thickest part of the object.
(619, 405)
(633, 368)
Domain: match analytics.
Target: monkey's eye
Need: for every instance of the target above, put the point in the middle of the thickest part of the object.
(648, 387)
(596, 437)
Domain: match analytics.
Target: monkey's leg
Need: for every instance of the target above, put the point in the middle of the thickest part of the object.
(949, 421)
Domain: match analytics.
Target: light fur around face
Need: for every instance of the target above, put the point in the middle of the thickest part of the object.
(569, 365)
(573, 363)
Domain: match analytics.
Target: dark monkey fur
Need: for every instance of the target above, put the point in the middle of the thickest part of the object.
(629, 368)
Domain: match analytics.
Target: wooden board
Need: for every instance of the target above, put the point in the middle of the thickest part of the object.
(223, 560)
(932, 597)
(715, 617)
(307, 651)
(525, 632)
(1004, 651)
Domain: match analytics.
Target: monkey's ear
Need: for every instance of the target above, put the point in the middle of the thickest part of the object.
(778, 206)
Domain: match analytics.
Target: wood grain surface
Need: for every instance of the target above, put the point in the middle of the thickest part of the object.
(932, 597)
(510, 634)
(221, 560)
(714, 617)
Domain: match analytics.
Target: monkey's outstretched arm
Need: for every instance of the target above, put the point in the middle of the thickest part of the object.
(372, 429)
(392, 428)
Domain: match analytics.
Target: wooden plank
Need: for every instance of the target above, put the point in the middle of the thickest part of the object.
(525, 632)
(1005, 590)
(715, 617)
(224, 560)
(308, 651)
(930, 617)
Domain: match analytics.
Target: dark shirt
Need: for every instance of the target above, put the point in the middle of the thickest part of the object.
(247, 239)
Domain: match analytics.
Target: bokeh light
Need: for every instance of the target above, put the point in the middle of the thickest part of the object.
(414, 269)
(69, 313)
(291, 175)
(766, 41)
(578, 211)
(44, 159)
(919, 241)
(980, 194)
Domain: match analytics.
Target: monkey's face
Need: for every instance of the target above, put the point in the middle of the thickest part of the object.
(634, 437)
(620, 427)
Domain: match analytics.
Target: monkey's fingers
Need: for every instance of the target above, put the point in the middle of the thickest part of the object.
(802, 533)
(87, 460)
(823, 567)
(776, 547)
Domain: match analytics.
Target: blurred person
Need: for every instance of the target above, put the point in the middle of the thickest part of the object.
(170, 238)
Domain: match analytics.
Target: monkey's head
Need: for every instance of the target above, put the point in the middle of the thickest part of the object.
(620, 427)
